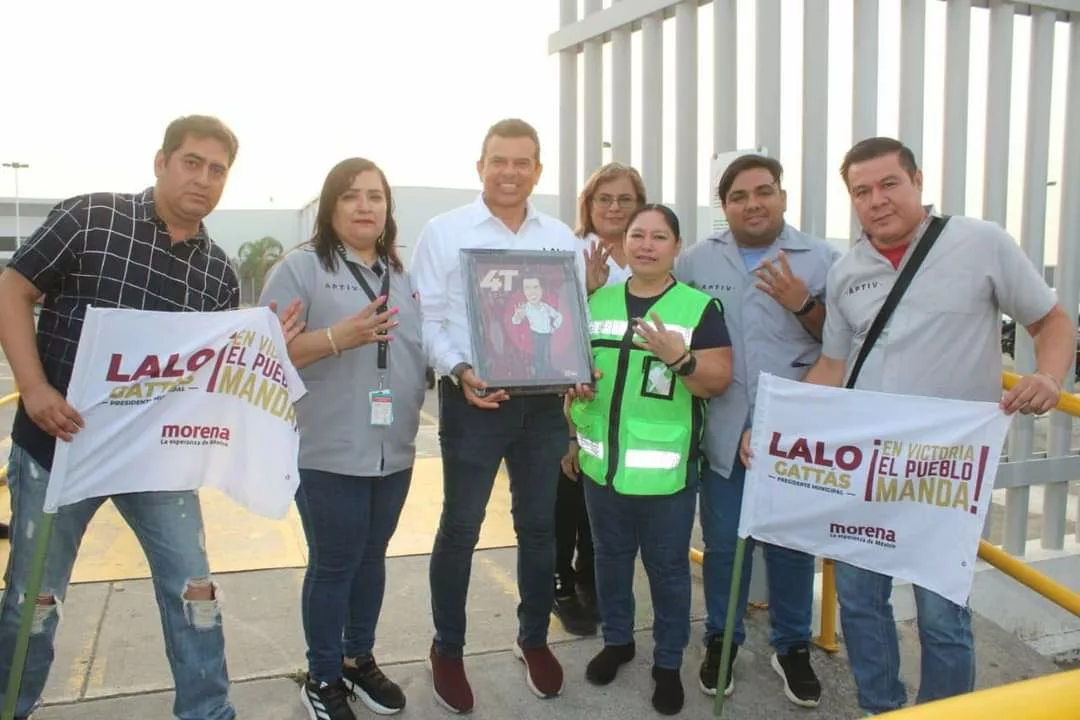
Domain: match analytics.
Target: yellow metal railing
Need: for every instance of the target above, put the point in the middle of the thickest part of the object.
(1050, 697)
(1007, 564)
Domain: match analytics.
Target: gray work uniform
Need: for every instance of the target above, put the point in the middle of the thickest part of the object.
(944, 338)
(336, 433)
(764, 336)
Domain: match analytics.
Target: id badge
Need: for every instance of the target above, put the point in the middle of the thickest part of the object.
(382, 407)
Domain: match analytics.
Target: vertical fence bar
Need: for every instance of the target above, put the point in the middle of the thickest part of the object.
(593, 97)
(998, 104)
(815, 125)
(568, 119)
(621, 150)
(768, 104)
(1033, 238)
(1069, 230)
(725, 76)
(686, 119)
(652, 103)
(912, 74)
(864, 81)
(1059, 438)
(957, 68)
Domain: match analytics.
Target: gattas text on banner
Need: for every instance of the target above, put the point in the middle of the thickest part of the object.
(814, 464)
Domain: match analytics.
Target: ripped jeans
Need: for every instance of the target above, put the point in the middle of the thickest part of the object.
(169, 527)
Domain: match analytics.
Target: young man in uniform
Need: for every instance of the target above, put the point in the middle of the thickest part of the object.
(770, 278)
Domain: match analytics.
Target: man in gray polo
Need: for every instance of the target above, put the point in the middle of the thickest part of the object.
(943, 340)
(771, 280)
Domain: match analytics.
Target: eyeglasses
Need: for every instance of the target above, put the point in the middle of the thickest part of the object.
(625, 201)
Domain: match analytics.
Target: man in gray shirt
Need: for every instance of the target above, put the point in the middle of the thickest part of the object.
(943, 340)
(771, 280)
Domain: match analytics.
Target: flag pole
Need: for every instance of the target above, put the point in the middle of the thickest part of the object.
(26, 622)
(729, 628)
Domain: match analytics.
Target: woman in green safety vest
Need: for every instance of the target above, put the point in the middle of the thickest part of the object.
(661, 348)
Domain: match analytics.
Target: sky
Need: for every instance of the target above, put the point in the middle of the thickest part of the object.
(412, 84)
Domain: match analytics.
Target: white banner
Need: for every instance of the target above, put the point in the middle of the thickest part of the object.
(898, 484)
(177, 401)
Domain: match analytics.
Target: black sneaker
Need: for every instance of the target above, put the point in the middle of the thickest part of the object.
(668, 695)
(575, 618)
(710, 666)
(381, 694)
(601, 669)
(801, 685)
(327, 701)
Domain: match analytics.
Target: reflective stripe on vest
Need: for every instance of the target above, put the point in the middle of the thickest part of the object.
(616, 329)
(641, 459)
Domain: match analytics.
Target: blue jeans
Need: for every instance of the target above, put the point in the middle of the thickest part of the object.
(530, 432)
(660, 527)
(348, 522)
(169, 527)
(789, 573)
(866, 618)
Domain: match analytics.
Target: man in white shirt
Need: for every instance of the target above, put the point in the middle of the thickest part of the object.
(480, 428)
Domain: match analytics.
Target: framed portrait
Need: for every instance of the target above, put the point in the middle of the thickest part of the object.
(527, 320)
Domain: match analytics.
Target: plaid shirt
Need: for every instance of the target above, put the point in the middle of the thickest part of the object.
(110, 250)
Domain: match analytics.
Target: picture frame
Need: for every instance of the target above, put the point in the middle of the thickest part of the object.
(528, 320)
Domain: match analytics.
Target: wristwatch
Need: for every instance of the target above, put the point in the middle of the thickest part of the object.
(688, 367)
(811, 301)
(457, 371)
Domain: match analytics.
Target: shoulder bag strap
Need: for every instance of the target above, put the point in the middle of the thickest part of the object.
(922, 247)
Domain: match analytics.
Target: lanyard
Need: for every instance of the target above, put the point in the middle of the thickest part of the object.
(384, 292)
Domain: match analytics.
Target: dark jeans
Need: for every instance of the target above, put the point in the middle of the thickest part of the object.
(660, 527)
(572, 534)
(790, 573)
(348, 522)
(530, 433)
(169, 527)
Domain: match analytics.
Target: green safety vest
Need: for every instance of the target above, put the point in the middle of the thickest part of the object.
(643, 426)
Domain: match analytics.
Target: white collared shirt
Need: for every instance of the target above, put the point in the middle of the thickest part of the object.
(542, 318)
(436, 269)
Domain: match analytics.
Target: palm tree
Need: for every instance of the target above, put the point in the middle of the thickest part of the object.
(255, 258)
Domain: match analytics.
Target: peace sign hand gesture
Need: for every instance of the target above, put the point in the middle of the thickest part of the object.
(782, 285)
(665, 344)
(596, 266)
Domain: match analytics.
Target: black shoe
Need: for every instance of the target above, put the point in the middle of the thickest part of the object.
(326, 701)
(710, 666)
(801, 685)
(381, 694)
(601, 669)
(668, 695)
(573, 616)
(5, 533)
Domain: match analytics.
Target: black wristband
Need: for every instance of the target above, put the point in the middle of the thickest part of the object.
(681, 358)
(809, 305)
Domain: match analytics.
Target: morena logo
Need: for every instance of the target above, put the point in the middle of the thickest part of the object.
(870, 532)
(194, 432)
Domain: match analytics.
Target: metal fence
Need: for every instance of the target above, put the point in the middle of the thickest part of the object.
(986, 90)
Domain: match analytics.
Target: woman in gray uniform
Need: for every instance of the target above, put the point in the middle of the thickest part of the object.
(363, 363)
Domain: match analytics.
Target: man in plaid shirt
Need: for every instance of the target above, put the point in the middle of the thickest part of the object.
(147, 251)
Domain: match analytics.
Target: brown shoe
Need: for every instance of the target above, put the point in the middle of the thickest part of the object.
(451, 687)
(543, 673)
